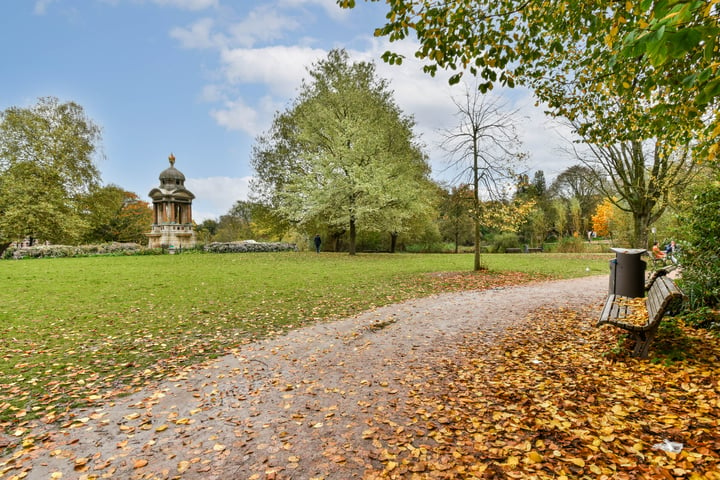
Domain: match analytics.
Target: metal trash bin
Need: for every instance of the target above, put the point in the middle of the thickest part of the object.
(627, 272)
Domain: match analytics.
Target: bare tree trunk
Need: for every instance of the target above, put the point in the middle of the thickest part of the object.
(477, 266)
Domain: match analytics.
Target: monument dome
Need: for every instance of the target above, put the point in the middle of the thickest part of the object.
(171, 177)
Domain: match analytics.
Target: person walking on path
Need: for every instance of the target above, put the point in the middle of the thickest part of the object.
(318, 241)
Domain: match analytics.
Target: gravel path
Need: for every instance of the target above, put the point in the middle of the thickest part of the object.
(290, 407)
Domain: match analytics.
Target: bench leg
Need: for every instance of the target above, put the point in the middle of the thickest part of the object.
(642, 343)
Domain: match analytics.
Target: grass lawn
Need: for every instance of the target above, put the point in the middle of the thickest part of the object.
(76, 330)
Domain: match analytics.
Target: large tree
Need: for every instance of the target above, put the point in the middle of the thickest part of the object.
(661, 52)
(579, 182)
(640, 178)
(484, 148)
(115, 215)
(343, 154)
(46, 169)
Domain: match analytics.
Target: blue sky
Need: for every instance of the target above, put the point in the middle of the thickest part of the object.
(202, 78)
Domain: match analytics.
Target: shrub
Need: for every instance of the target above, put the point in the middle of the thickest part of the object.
(571, 245)
(700, 258)
(249, 246)
(503, 241)
(433, 247)
(56, 251)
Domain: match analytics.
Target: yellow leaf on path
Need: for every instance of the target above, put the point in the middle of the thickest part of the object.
(140, 463)
(56, 475)
(161, 428)
(219, 447)
(183, 466)
(513, 461)
(534, 457)
(577, 461)
(619, 410)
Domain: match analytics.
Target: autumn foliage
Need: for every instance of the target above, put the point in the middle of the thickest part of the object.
(601, 219)
(552, 400)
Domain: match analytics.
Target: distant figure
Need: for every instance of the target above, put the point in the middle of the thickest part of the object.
(670, 251)
(657, 253)
(318, 241)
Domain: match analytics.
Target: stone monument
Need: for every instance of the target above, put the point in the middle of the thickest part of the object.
(172, 211)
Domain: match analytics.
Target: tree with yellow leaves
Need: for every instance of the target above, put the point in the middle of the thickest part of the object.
(602, 218)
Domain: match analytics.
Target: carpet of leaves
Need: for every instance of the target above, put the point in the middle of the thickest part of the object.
(555, 399)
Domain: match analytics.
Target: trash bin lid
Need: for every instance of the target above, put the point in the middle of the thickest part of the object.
(629, 251)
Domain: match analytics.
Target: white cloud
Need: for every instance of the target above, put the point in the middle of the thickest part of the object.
(213, 93)
(253, 120)
(278, 68)
(236, 115)
(187, 4)
(330, 7)
(41, 6)
(216, 194)
(198, 35)
(262, 24)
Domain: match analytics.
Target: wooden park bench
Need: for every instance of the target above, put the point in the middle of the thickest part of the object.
(513, 250)
(641, 317)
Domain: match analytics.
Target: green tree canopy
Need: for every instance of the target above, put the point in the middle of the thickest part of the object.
(115, 215)
(343, 154)
(456, 222)
(237, 224)
(46, 169)
(642, 69)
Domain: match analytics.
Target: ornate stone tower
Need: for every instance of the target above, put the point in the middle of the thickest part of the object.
(172, 211)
